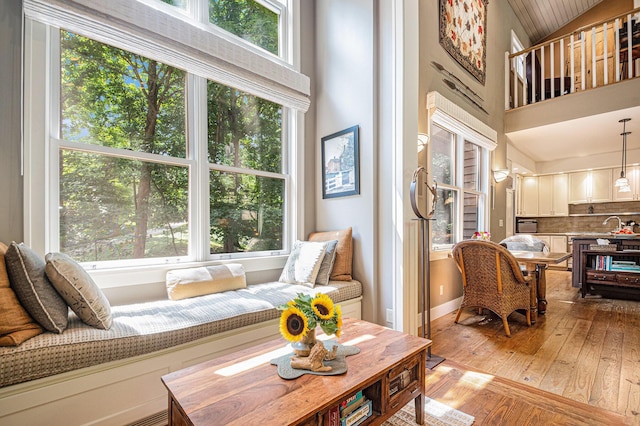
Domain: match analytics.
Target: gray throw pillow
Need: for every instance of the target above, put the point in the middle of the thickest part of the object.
(35, 292)
(78, 289)
(327, 263)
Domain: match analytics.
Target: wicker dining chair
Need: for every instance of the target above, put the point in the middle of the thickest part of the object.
(492, 279)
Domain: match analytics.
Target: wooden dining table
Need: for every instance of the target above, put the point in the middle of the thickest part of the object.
(537, 261)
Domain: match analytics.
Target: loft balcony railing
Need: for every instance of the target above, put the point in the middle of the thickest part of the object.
(592, 56)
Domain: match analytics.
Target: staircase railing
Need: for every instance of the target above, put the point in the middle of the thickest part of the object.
(592, 56)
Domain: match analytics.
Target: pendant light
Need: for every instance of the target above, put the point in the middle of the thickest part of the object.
(622, 183)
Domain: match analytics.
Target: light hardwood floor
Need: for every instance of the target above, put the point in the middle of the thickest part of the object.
(587, 350)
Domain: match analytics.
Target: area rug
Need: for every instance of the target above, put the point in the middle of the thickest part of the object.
(436, 414)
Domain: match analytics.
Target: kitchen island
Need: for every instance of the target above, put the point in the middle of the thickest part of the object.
(592, 278)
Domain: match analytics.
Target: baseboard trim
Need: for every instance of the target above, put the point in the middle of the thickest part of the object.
(442, 310)
(445, 308)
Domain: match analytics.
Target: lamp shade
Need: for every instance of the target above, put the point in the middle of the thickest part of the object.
(500, 175)
(625, 188)
(621, 182)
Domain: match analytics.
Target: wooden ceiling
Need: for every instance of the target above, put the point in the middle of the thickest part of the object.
(543, 17)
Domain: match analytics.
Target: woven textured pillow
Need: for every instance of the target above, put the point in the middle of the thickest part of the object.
(303, 263)
(193, 282)
(34, 291)
(343, 265)
(78, 289)
(16, 325)
(324, 274)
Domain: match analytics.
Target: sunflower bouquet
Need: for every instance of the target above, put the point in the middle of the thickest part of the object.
(305, 313)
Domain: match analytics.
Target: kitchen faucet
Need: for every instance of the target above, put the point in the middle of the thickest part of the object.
(614, 217)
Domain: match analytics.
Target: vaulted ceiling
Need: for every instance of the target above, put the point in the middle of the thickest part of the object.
(596, 134)
(543, 17)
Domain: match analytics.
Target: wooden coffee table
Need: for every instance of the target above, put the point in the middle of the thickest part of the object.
(243, 388)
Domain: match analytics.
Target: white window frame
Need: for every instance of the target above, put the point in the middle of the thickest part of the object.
(40, 147)
(454, 119)
(460, 136)
(518, 63)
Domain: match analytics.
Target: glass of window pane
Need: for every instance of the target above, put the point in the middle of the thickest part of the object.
(471, 171)
(444, 223)
(471, 215)
(442, 155)
(248, 20)
(115, 208)
(119, 99)
(243, 130)
(246, 212)
(182, 4)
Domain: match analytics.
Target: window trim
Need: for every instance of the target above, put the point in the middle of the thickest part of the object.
(178, 41)
(517, 62)
(459, 138)
(41, 101)
(446, 114)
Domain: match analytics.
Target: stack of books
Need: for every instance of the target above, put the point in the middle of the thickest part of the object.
(607, 263)
(624, 265)
(351, 412)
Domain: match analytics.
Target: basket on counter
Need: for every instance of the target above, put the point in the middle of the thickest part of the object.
(603, 247)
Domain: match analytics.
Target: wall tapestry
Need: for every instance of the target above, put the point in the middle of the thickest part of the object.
(463, 25)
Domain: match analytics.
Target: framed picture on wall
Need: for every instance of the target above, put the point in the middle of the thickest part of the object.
(341, 163)
(463, 34)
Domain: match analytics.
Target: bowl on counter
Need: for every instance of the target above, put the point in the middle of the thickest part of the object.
(624, 236)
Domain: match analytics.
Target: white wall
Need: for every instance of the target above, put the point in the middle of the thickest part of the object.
(366, 74)
(344, 96)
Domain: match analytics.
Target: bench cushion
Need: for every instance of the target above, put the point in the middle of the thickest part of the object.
(152, 326)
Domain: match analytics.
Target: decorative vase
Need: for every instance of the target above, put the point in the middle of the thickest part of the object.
(304, 345)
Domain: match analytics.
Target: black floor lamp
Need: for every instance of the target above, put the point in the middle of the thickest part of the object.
(424, 289)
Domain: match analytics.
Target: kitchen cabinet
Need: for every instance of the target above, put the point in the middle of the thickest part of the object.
(592, 186)
(528, 200)
(543, 196)
(553, 195)
(633, 174)
(556, 243)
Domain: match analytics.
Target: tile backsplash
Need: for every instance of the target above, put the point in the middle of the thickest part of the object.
(589, 218)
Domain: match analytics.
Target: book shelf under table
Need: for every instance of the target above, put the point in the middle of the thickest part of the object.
(600, 278)
(244, 388)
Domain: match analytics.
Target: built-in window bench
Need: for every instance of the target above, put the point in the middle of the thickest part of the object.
(87, 375)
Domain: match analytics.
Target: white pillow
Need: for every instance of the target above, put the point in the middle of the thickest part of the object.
(304, 263)
(192, 282)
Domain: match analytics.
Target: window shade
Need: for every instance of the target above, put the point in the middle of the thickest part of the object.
(173, 39)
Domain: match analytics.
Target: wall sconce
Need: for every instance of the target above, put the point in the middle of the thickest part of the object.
(500, 174)
(423, 139)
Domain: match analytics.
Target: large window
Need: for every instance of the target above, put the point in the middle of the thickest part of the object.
(247, 184)
(460, 169)
(148, 160)
(121, 203)
(247, 19)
